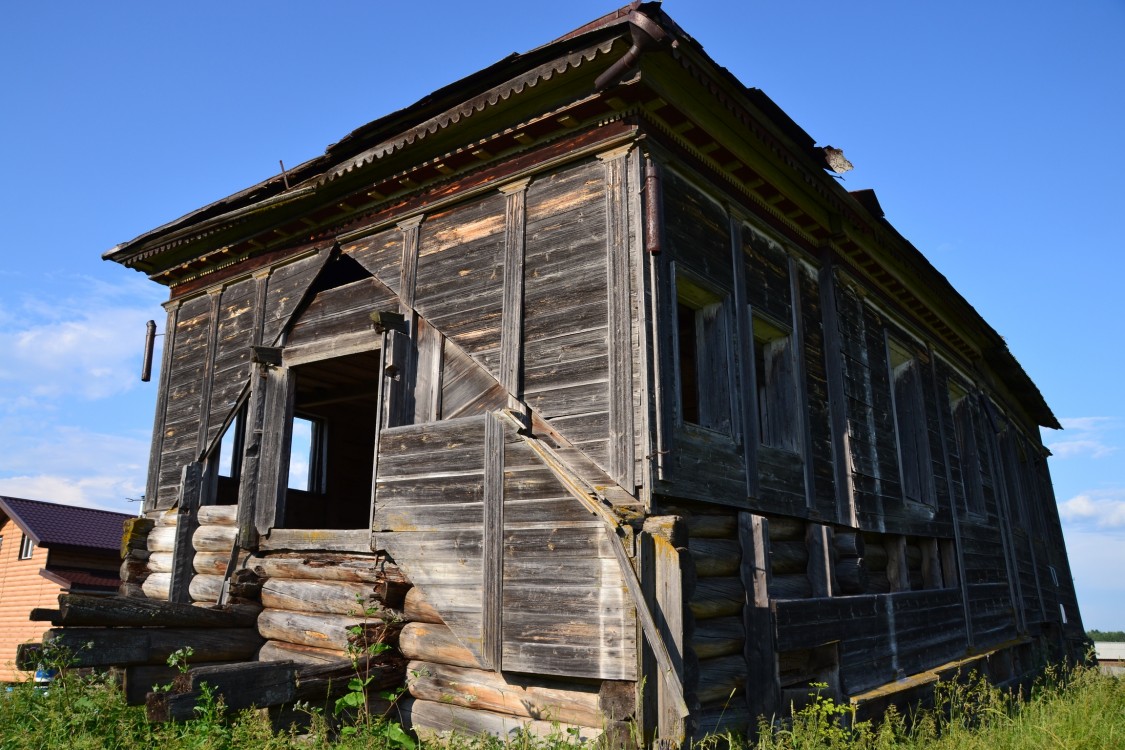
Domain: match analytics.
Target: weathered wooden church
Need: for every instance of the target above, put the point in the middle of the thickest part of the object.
(591, 356)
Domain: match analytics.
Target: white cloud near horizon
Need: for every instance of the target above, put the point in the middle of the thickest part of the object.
(1105, 509)
(1083, 437)
(71, 465)
(98, 492)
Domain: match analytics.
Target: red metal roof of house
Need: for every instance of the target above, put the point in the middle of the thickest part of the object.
(52, 524)
(82, 579)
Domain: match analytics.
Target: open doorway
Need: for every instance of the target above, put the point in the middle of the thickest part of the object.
(331, 452)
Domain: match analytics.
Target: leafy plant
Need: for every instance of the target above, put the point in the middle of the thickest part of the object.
(357, 700)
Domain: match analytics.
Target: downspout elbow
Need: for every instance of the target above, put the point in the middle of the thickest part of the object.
(646, 35)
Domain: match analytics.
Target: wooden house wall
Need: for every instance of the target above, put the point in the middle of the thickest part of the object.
(750, 276)
(515, 566)
(554, 599)
(21, 590)
(207, 367)
(965, 572)
(565, 333)
(701, 463)
(231, 368)
(190, 329)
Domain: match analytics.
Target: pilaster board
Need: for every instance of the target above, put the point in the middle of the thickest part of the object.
(515, 186)
(616, 153)
(409, 223)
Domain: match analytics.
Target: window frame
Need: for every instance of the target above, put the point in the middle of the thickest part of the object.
(27, 548)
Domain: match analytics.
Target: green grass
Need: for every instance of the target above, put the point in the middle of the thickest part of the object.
(1077, 709)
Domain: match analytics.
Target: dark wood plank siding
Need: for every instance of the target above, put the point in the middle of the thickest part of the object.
(819, 450)
(231, 370)
(181, 423)
(870, 419)
(380, 254)
(697, 232)
(703, 464)
(566, 364)
(460, 274)
(880, 638)
(285, 290)
(339, 311)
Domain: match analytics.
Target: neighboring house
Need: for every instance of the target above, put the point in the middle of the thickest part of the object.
(1111, 657)
(599, 311)
(47, 549)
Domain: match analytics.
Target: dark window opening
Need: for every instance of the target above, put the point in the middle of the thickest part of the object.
(776, 382)
(27, 547)
(702, 347)
(331, 453)
(910, 424)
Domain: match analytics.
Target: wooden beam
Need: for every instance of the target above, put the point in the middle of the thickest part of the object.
(492, 604)
(241, 686)
(763, 687)
(114, 647)
(183, 554)
(511, 317)
(114, 611)
(619, 221)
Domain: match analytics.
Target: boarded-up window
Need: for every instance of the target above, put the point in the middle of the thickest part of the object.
(964, 425)
(910, 423)
(703, 356)
(775, 376)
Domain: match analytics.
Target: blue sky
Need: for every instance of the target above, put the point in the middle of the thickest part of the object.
(989, 130)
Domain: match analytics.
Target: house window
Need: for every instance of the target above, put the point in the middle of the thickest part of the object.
(703, 357)
(777, 386)
(27, 547)
(228, 470)
(910, 423)
(965, 429)
(306, 455)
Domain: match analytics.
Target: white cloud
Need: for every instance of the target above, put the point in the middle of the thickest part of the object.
(1105, 509)
(1083, 437)
(84, 340)
(101, 492)
(71, 465)
(1086, 424)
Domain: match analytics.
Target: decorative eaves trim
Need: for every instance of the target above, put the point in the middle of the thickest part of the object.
(466, 109)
